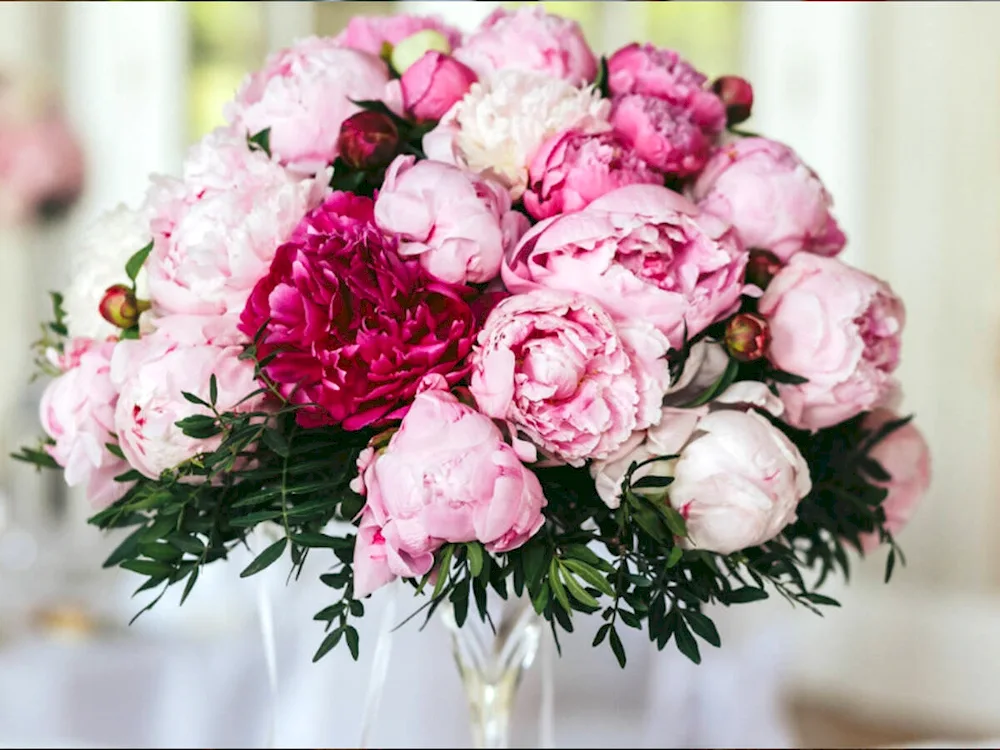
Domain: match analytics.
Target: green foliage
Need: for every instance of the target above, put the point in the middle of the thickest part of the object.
(260, 141)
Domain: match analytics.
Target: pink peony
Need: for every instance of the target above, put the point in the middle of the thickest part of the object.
(555, 366)
(738, 480)
(458, 224)
(446, 476)
(904, 454)
(662, 73)
(645, 252)
(303, 94)
(838, 327)
(152, 372)
(370, 33)
(662, 133)
(77, 412)
(572, 168)
(216, 230)
(530, 39)
(433, 84)
(773, 200)
(354, 326)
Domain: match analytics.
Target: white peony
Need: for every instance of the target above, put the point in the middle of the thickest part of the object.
(501, 123)
(105, 248)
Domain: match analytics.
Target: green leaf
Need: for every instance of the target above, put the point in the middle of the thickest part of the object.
(617, 647)
(444, 568)
(315, 539)
(558, 589)
(743, 595)
(686, 643)
(331, 640)
(890, 564)
(135, 263)
(336, 580)
(265, 558)
(602, 633)
(160, 551)
(351, 636)
(329, 613)
(192, 545)
(252, 519)
(213, 389)
(675, 556)
(779, 376)
(651, 482)
(601, 82)
(261, 141)
(277, 442)
(115, 450)
(475, 553)
(541, 599)
(189, 586)
(199, 426)
(577, 591)
(591, 576)
(128, 548)
(675, 521)
(533, 560)
(150, 568)
(129, 334)
(357, 608)
(825, 601)
(703, 626)
(585, 554)
(725, 380)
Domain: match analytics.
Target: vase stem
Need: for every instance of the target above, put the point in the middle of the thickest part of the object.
(491, 665)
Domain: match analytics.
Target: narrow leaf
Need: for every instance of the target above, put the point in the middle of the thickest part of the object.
(265, 558)
(444, 568)
(590, 575)
(475, 555)
(135, 263)
(577, 591)
(686, 643)
(557, 588)
(617, 647)
(328, 643)
(703, 626)
(351, 636)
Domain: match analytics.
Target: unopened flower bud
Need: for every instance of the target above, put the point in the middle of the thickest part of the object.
(762, 267)
(747, 337)
(411, 49)
(368, 140)
(737, 94)
(120, 307)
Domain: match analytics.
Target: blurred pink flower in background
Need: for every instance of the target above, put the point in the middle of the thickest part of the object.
(41, 162)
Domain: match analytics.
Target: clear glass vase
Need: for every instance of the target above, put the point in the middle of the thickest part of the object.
(491, 665)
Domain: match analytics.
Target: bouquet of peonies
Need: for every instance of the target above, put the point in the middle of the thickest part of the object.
(484, 312)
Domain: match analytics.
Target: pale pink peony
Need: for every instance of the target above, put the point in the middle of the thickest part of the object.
(77, 412)
(152, 372)
(571, 169)
(737, 479)
(838, 327)
(446, 476)
(530, 39)
(370, 33)
(662, 133)
(904, 454)
(645, 252)
(303, 94)
(501, 123)
(433, 84)
(555, 366)
(217, 228)
(662, 73)
(458, 224)
(771, 197)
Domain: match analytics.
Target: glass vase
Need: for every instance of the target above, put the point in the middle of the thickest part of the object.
(491, 664)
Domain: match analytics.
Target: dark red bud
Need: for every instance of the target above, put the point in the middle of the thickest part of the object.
(747, 337)
(737, 94)
(368, 140)
(120, 307)
(762, 267)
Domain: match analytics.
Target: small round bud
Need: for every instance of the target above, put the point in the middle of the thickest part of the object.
(737, 95)
(368, 140)
(120, 307)
(762, 267)
(747, 337)
(411, 49)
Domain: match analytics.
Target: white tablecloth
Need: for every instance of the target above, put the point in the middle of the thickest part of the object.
(172, 682)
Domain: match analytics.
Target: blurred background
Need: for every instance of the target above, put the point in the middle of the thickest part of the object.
(896, 106)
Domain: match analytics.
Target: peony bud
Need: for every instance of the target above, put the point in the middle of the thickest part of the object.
(433, 84)
(747, 337)
(737, 94)
(120, 307)
(762, 267)
(414, 46)
(368, 140)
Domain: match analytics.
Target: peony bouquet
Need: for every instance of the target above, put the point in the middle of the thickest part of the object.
(484, 312)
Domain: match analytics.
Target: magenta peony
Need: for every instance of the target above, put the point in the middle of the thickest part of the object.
(572, 168)
(458, 224)
(663, 74)
(302, 95)
(354, 326)
(773, 200)
(446, 476)
(838, 327)
(77, 412)
(433, 84)
(904, 455)
(216, 230)
(152, 372)
(370, 33)
(662, 133)
(645, 252)
(530, 39)
(555, 366)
